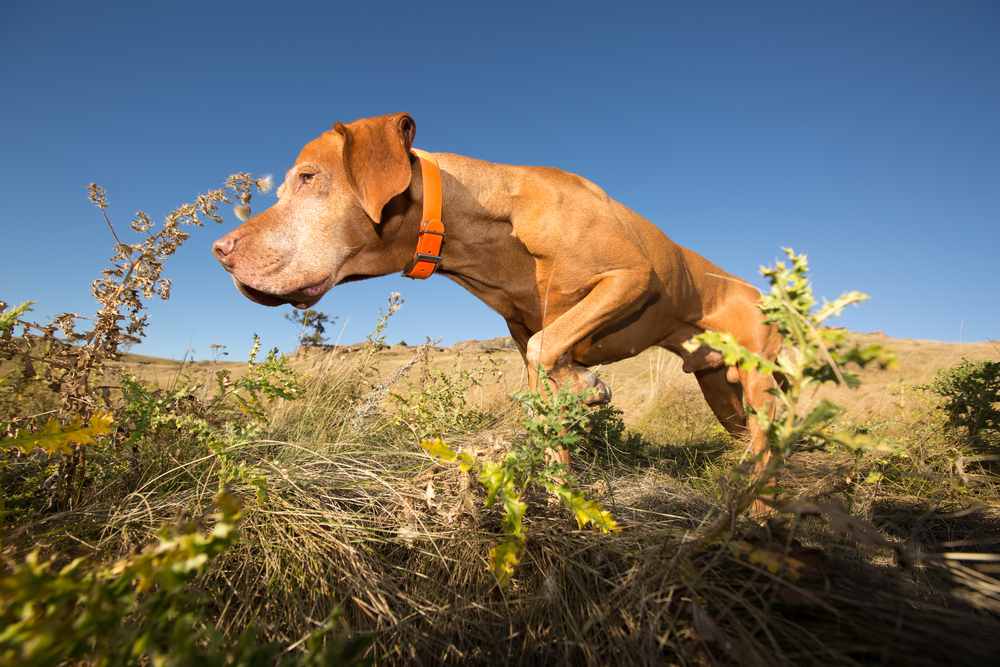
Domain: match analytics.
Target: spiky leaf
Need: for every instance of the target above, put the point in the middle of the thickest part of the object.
(55, 438)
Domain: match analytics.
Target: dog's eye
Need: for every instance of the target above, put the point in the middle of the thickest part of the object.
(305, 177)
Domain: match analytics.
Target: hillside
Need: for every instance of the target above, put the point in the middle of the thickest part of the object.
(883, 556)
(636, 383)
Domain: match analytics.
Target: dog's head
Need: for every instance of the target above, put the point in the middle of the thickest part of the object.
(325, 227)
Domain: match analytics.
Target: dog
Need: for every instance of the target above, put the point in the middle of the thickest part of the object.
(580, 278)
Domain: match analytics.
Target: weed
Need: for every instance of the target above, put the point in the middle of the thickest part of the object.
(813, 354)
(142, 608)
(69, 362)
(556, 421)
(441, 407)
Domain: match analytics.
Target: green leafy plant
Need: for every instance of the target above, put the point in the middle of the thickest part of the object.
(556, 421)
(441, 406)
(812, 354)
(9, 318)
(237, 412)
(267, 380)
(71, 364)
(134, 611)
(971, 398)
(64, 429)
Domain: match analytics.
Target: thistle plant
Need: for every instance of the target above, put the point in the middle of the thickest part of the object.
(71, 364)
(970, 394)
(813, 354)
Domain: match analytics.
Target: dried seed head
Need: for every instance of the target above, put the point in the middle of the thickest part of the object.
(395, 302)
(141, 223)
(97, 196)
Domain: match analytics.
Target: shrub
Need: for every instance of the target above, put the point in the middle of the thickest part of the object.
(72, 365)
(971, 393)
(441, 405)
(144, 608)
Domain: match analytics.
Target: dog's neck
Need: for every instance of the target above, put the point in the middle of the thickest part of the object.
(479, 247)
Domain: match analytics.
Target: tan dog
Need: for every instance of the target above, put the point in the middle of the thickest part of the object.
(580, 278)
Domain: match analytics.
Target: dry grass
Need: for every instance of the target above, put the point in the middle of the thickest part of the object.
(358, 518)
(637, 383)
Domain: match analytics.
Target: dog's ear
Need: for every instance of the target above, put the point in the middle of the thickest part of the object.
(377, 159)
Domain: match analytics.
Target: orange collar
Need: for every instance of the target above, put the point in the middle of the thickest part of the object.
(430, 236)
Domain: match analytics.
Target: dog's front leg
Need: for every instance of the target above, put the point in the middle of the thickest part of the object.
(618, 294)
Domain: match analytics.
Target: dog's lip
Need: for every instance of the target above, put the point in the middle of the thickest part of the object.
(258, 296)
(315, 289)
(302, 298)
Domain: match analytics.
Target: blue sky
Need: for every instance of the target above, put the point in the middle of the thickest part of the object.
(866, 134)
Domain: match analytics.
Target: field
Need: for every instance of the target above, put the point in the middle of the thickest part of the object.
(358, 518)
(399, 505)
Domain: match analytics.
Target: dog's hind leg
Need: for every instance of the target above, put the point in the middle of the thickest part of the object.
(756, 390)
(728, 389)
(725, 398)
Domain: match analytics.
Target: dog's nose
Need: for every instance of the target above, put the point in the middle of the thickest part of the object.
(223, 247)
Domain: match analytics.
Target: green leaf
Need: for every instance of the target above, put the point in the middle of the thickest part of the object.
(493, 477)
(513, 508)
(733, 354)
(8, 318)
(863, 443)
(821, 415)
(836, 307)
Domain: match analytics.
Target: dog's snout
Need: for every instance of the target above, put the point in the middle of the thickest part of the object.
(223, 247)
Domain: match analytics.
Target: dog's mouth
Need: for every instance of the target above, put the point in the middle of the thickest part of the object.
(302, 298)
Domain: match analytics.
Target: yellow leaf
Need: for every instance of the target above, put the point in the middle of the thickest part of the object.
(772, 561)
(436, 448)
(591, 512)
(466, 461)
(587, 511)
(55, 438)
(504, 557)
(101, 423)
(874, 477)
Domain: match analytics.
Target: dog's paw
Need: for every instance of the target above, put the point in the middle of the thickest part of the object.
(600, 393)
